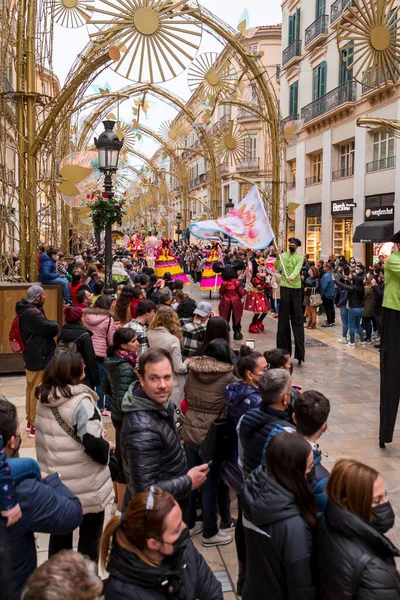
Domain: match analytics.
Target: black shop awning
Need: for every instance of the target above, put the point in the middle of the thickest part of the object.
(374, 231)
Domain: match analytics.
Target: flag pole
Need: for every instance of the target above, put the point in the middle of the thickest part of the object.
(283, 266)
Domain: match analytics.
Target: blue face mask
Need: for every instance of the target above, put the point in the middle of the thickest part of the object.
(357, 271)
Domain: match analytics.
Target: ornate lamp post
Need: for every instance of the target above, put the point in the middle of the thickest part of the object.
(178, 219)
(108, 147)
(228, 207)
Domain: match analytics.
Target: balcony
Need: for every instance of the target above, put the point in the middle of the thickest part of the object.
(380, 165)
(249, 164)
(314, 180)
(194, 183)
(288, 119)
(278, 73)
(369, 85)
(328, 102)
(316, 33)
(337, 8)
(292, 54)
(291, 185)
(202, 178)
(342, 173)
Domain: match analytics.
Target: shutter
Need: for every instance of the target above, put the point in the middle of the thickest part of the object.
(291, 29)
(295, 97)
(291, 99)
(315, 83)
(322, 79)
(297, 25)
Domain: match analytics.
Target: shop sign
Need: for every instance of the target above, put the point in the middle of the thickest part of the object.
(342, 207)
(385, 213)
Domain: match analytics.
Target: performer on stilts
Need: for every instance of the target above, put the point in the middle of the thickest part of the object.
(390, 346)
(166, 262)
(256, 299)
(210, 280)
(291, 306)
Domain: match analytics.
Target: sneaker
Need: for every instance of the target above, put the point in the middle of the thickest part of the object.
(367, 342)
(32, 432)
(198, 528)
(350, 345)
(253, 328)
(230, 525)
(326, 325)
(28, 426)
(219, 539)
(342, 340)
(106, 414)
(260, 325)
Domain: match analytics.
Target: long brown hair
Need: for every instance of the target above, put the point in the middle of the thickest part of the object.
(167, 317)
(124, 300)
(350, 486)
(60, 373)
(138, 525)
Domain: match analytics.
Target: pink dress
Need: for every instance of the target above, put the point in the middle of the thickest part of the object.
(256, 300)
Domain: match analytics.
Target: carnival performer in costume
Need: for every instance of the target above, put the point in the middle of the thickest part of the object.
(231, 293)
(166, 263)
(209, 279)
(256, 300)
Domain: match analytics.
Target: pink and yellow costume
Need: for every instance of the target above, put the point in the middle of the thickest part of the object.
(166, 263)
(209, 279)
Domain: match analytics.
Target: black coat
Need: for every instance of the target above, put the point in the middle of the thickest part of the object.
(151, 449)
(70, 333)
(38, 334)
(278, 542)
(132, 579)
(343, 539)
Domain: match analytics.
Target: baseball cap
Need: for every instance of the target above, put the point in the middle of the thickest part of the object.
(34, 292)
(203, 309)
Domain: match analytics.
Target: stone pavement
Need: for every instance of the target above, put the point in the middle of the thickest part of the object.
(348, 377)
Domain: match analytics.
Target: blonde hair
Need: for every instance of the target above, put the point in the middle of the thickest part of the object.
(167, 317)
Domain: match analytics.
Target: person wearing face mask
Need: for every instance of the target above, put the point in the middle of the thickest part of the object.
(354, 557)
(149, 555)
(38, 335)
(291, 306)
(355, 289)
(279, 517)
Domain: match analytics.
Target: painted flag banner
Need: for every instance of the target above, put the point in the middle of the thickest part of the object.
(247, 223)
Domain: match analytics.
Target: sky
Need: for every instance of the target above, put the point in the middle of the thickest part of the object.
(69, 42)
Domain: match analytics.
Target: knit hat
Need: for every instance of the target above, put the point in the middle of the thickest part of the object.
(72, 314)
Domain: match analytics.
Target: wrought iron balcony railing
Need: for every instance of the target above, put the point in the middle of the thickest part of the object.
(341, 173)
(343, 93)
(319, 27)
(294, 49)
(249, 164)
(384, 163)
(314, 180)
(337, 8)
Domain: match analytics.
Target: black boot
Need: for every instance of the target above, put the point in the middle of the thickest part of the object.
(241, 578)
(237, 335)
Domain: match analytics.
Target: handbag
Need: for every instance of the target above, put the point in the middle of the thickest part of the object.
(315, 299)
(220, 441)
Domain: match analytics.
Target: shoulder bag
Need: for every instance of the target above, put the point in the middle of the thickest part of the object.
(315, 299)
(220, 441)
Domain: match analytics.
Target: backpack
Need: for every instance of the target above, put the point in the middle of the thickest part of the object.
(64, 347)
(15, 337)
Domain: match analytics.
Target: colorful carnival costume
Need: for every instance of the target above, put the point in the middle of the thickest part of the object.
(209, 279)
(256, 300)
(231, 293)
(166, 263)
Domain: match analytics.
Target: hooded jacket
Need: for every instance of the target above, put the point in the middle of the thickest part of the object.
(38, 334)
(278, 542)
(204, 393)
(151, 450)
(70, 333)
(189, 577)
(48, 269)
(102, 325)
(346, 542)
(119, 374)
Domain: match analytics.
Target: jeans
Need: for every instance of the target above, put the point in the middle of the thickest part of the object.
(344, 315)
(209, 495)
(276, 305)
(102, 397)
(24, 468)
(90, 531)
(355, 316)
(66, 292)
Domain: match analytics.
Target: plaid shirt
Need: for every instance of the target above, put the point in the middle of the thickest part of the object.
(141, 334)
(193, 335)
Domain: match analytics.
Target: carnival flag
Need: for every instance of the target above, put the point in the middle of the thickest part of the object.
(247, 223)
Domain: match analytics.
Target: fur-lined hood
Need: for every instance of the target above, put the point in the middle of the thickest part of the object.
(207, 368)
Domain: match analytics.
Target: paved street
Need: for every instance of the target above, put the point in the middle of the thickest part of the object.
(350, 379)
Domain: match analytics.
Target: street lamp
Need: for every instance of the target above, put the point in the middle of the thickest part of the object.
(108, 147)
(228, 207)
(178, 219)
(154, 228)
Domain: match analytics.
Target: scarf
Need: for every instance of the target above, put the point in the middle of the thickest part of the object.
(131, 357)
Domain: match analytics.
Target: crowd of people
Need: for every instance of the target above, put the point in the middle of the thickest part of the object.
(198, 422)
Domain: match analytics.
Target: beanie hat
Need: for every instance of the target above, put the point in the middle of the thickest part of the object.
(72, 314)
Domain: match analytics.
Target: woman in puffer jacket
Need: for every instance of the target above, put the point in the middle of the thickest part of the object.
(208, 377)
(241, 396)
(354, 557)
(99, 320)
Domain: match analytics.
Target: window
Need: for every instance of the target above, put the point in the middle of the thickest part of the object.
(347, 160)
(292, 174)
(294, 26)
(319, 8)
(383, 148)
(251, 147)
(316, 167)
(347, 55)
(319, 81)
(293, 98)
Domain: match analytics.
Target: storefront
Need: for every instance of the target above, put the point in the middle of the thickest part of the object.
(377, 229)
(342, 228)
(313, 230)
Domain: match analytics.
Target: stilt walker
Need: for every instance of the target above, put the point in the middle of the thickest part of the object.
(390, 347)
(291, 305)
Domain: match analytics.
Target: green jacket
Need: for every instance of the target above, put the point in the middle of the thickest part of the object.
(391, 297)
(290, 265)
(119, 375)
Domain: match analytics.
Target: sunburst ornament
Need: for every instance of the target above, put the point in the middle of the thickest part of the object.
(214, 77)
(368, 38)
(172, 133)
(158, 39)
(71, 13)
(126, 133)
(231, 143)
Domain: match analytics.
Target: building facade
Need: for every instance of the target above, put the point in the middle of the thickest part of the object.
(346, 179)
